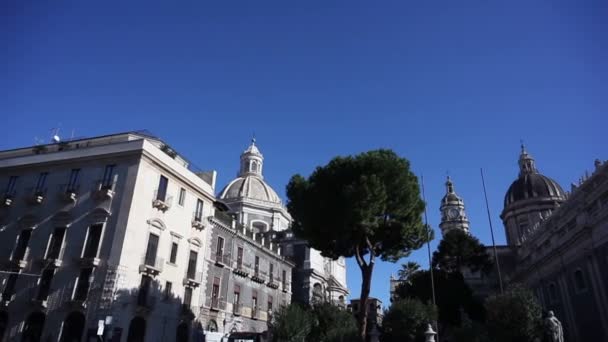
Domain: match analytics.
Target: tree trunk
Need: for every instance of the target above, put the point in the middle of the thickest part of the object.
(366, 275)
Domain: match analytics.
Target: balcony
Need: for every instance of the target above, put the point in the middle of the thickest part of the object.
(259, 277)
(197, 221)
(241, 268)
(161, 201)
(8, 198)
(105, 189)
(237, 309)
(193, 279)
(272, 283)
(222, 260)
(151, 265)
(36, 196)
(69, 192)
(217, 304)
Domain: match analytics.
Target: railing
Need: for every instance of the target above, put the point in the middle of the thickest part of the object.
(193, 279)
(105, 188)
(162, 201)
(9, 196)
(258, 276)
(218, 304)
(149, 264)
(237, 309)
(36, 195)
(69, 191)
(222, 259)
(197, 220)
(241, 268)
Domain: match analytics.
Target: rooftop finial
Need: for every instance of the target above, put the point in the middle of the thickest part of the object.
(253, 139)
(523, 147)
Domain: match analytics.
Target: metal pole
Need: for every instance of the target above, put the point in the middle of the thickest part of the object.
(428, 247)
(492, 232)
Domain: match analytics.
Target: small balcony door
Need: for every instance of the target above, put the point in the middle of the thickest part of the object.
(162, 188)
(151, 250)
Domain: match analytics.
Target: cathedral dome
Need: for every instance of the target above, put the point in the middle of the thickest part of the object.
(531, 184)
(249, 187)
(250, 183)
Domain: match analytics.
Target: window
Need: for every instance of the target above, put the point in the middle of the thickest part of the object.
(173, 255)
(9, 288)
(73, 180)
(269, 304)
(257, 264)
(55, 244)
(92, 242)
(239, 257)
(579, 280)
(236, 299)
(198, 213)
(10, 187)
(144, 289)
(284, 280)
(22, 242)
(45, 284)
(187, 297)
(108, 177)
(41, 182)
(161, 193)
(151, 249)
(182, 196)
(219, 252)
(192, 265)
(82, 284)
(254, 304)
(271, 271)
(168, 290)
(215, 293)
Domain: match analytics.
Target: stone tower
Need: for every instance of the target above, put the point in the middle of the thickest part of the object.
(453, 215)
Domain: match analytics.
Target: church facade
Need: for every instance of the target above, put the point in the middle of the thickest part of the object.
(557, 245)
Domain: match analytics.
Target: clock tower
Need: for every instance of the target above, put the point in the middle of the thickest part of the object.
(453, 215)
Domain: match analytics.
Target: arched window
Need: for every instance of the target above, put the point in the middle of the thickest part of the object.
(579, 280)
(212, 326)
(32, 331)
(73, 327)
(137, 330)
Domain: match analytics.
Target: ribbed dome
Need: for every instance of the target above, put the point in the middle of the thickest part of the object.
(251, 187)
(533, 185)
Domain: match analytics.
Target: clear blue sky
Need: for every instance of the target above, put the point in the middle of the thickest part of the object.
(450, 85)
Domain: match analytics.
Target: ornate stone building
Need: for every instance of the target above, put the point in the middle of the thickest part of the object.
(557, 245)
(258, 207)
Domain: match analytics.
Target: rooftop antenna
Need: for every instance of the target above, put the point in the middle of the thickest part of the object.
(55, 139)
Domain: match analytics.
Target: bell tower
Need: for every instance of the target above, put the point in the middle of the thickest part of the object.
(453, 215)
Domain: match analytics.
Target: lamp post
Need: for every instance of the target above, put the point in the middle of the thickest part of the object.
(430, 334)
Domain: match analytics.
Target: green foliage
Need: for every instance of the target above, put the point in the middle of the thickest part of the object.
(452, 295)
(470, 331)
(406, 321)
(407, 270)
(371, 200)
(321, 323)
(514, 316)
(333, 324)
(458, 249)
(292, 323)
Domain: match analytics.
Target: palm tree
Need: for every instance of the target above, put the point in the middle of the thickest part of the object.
(407, 270)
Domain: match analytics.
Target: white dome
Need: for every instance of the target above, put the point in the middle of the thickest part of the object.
(249, 187)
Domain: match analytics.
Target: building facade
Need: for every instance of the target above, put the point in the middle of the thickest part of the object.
(118, 235)
(258, 208)
(560, 242)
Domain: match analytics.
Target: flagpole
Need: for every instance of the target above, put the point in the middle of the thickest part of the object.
(491, 232)
(428, 246)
